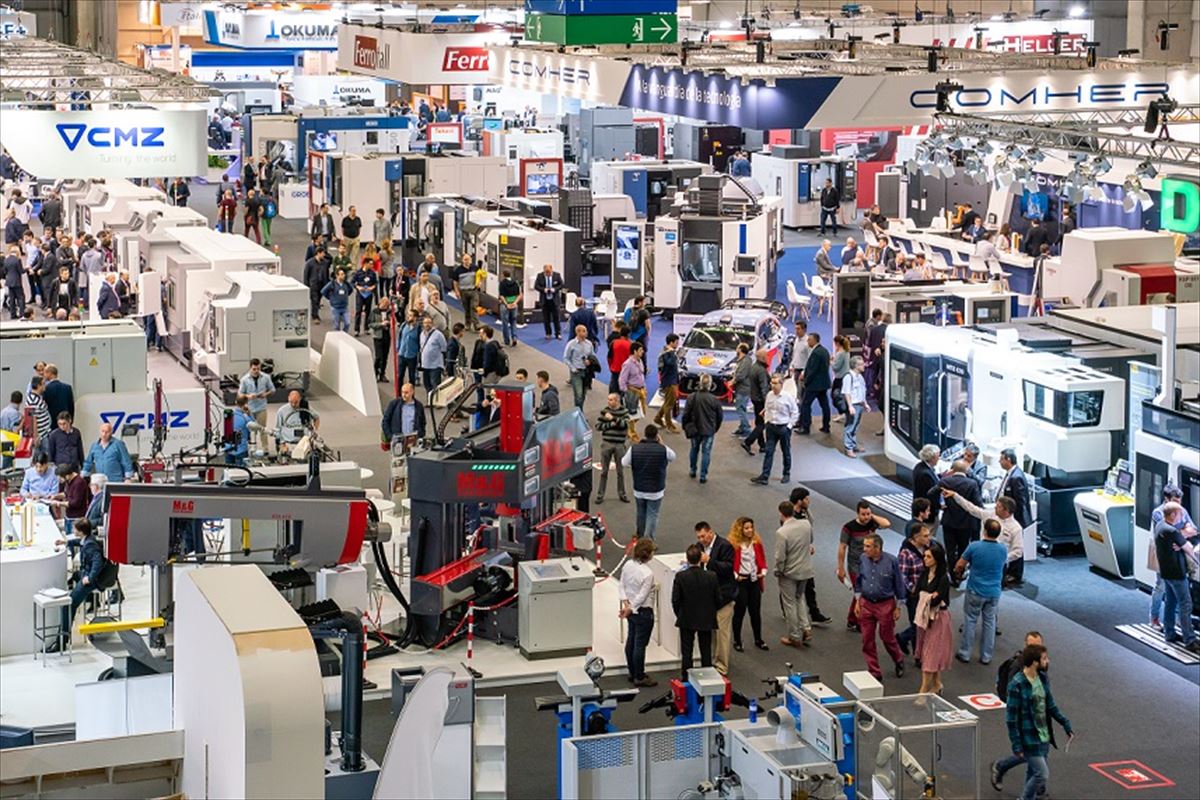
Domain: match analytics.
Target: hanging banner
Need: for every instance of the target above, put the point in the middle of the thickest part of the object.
(271, 30)
(17, 24)
(889, 100)
(127, 143)
(315, 90)
(600, 80)
(416, 58)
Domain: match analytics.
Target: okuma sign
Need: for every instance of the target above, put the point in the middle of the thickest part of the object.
(127, 143)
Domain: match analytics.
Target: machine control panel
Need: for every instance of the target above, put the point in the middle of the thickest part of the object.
(289, 323)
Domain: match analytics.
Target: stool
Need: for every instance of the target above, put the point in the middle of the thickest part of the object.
(44, 632)
(101, 603)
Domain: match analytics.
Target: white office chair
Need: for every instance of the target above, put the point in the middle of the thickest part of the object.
(797, 302)
(824, 294)
(978, 268)
(938, 223)
(938, 261)
(571, 297)
(869, 237)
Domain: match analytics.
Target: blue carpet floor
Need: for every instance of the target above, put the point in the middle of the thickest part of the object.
(793, 265)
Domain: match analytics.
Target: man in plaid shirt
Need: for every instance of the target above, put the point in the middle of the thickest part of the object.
(912, 564)
(1030, 709)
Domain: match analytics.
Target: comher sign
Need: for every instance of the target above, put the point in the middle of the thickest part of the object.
(125, 143)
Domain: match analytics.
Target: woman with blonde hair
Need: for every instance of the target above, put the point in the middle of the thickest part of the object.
(749, 569)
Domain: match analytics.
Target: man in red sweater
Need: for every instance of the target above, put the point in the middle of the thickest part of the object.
(618, 351)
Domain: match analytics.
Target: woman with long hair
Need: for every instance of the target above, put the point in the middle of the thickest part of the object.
(840, 366)
(749, 569)
(935, 636)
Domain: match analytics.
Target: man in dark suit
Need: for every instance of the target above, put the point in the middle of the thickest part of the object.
(1016, 486)
(59, 395)
(1035, 237)
(926, 482)
(816, 385)
(959, 528)
(549, 285)
(695, 597)
(404, 416)
(718, 558)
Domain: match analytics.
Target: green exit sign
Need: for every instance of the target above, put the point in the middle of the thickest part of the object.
(602, 29)
(1179, 206)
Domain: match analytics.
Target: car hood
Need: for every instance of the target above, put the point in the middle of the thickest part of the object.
(700, 360)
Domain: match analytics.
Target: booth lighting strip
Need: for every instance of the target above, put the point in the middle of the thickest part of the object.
(1128, 118)
(1084, 140)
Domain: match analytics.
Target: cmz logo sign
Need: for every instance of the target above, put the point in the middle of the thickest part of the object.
(145, 419)
(74, 133)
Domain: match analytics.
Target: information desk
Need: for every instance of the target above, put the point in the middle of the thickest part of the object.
(1106, 527)
(958, 250)
(24, 571)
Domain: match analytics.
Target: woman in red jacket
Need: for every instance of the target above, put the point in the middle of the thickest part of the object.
(749, 569)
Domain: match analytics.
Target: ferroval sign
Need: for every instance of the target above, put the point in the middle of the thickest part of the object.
(466, 59)
(368, 54)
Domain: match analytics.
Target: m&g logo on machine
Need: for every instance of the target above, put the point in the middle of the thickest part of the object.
(1179, 206)
(98, 136)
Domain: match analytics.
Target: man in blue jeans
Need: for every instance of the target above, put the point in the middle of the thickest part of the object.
(1029, 711)
(1171, 494)
(986, 559)
(779, 415)
(648, 460)
(1173, 552)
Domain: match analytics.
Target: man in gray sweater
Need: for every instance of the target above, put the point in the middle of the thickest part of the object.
(794, 569)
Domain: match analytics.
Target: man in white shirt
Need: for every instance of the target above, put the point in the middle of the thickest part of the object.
(635, 591)
(800, 353)
(780, 413)
(292, 421)
(257, 386)
(854, 389)
(1010, 532)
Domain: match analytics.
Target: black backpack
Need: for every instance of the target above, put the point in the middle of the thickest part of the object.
(501, 361)
(477, 355)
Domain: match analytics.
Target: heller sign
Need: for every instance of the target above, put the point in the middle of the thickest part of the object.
(126, 143)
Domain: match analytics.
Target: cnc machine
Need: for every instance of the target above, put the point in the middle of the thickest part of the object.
(108, 203)
(799, 181)
(199, 265)
(651, 184)
(719, 244)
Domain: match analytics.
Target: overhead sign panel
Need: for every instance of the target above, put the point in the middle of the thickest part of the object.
(435, 58)
(271, 30)
(126, 143)
(600, 80)
(601, 6)
(604, 29)
(889, 100)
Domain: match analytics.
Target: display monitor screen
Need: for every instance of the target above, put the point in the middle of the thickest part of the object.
(628, 247)
(746, 265)
(323, 141)
(1124, 480)
(541, 183)
(701, 262)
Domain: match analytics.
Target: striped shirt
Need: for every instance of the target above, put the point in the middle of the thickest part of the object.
(614, 430)
(41, 414)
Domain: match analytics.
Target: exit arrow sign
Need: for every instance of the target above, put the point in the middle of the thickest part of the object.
(602, 29)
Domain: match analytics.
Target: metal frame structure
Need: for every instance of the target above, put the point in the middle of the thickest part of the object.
(42, 74)
(1081, 132)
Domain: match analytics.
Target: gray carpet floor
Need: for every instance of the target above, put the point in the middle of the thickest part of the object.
(1125, 702)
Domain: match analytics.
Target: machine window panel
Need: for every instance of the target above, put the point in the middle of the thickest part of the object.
(1084, 409)
(1189, 482)
(701, 262)
(958, 406)
(1148, 486)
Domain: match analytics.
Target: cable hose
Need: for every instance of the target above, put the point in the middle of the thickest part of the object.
(389, 580)
(452, 409)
